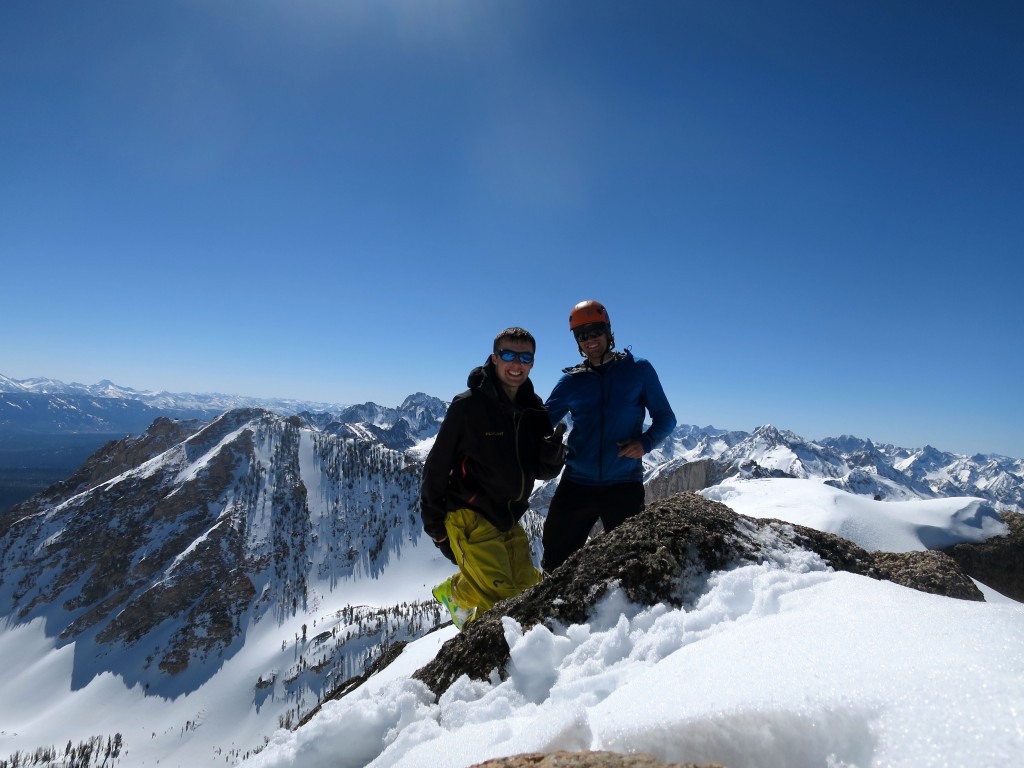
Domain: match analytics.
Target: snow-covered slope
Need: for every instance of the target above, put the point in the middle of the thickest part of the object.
(212, 592)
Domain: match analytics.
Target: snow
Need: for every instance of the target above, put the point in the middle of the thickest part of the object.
(772, 667)
(420, 451)
(890, 526)
(780, 664)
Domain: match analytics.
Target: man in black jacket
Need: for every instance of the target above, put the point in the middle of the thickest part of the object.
(495, 441)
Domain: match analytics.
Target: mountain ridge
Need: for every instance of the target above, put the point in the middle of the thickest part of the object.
(859, 465)
(217, 403)
(207, 527)
(258, 541)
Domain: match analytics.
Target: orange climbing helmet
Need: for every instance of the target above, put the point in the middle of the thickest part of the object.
(587, 312)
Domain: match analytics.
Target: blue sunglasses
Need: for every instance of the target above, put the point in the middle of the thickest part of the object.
(509, 355)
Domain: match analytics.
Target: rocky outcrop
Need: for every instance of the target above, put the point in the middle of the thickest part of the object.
(928, 571)
(692, 476)
(585, 760)
(997, 562)
(666, 554)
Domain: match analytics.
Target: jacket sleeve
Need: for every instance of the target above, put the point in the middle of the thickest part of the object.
(558, 403)
(436, 469)
(551, 454)
(663, 419)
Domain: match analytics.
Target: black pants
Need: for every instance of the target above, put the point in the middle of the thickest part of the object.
(574, 510)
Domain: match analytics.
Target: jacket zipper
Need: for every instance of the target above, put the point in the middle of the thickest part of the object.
(516, 422)
(600, 456)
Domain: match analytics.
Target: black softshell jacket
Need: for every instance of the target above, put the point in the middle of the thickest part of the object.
(487, 454)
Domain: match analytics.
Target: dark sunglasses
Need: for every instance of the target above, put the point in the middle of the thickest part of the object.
(509, 355)
(591, 331)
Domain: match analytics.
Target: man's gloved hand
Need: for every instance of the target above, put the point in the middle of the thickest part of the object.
(554, 452)
(555, 438)
(446, 549)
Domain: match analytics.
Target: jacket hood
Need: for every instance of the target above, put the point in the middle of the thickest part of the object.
(485, 378)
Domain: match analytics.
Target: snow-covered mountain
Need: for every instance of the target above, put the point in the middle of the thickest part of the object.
(167, 555)
(47, 428)
(227, 576)
(849, 463)
(49, 406)
(416, 420)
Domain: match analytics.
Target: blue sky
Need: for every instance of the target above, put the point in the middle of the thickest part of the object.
(803, 213)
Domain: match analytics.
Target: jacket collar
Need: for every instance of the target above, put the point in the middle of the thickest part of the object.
(584, 365)
(484, 378)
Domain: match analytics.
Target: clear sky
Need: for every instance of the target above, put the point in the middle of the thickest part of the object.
(803, 213)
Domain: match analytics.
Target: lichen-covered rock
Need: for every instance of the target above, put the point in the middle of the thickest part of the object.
(666, 554)
(928, 571)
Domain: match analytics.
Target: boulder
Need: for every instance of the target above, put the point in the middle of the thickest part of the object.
(997, 562)
(691, 476)
(927, 571)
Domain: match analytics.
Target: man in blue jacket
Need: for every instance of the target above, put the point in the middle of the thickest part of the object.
(607, 396)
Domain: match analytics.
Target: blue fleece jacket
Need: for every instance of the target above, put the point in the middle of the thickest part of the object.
(607, 404)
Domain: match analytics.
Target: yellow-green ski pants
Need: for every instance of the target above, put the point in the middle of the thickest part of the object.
(493, 564)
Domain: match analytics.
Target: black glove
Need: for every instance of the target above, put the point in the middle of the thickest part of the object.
(556, 435)
(553, 450)
(446, 549)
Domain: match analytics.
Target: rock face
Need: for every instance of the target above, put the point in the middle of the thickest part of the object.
(929, 571)
(997, 562)
(692, 476)
(585, 760)
(666, 554)
(113, 458)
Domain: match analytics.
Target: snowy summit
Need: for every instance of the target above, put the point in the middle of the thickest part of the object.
(781, 664)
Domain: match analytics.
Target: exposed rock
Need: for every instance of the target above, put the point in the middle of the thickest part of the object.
(666, 554)
(108, 462)
(928, 571)
(692, 476)
(585, 760)
(997, 562)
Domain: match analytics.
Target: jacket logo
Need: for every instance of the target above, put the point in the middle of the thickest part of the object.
(494, 434)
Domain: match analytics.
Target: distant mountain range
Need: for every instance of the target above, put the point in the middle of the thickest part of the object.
(35, 412)
(48, 428)
(853, 464)
(42, 404)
